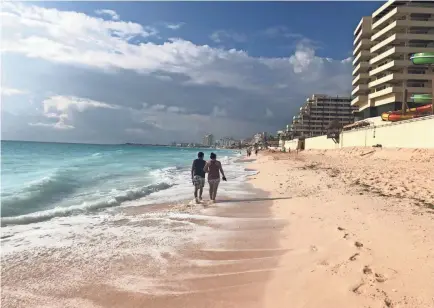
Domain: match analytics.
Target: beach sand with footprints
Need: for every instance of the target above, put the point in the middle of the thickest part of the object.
(360, 227)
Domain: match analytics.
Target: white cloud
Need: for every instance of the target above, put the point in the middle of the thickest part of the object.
(175, 26)
(158, 107)
(11, 91)
(347, 60)
(215, 89)
(47, 34)
(58, 125)
(175, 109)
(59, 107)
(61, 104)
(222, 35)
(110, 13)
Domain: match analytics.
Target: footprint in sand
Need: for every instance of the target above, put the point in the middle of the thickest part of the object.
(356, 288)
(313, 248)
(367, 270)
(354, 257)
(324, 263)
(380, 277)
(358, 244)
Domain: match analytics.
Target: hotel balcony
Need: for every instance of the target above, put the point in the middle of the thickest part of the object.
(363, 30)
(397, 13)
(399, 26)
(394, 77)
(393, 65)
(360, 89)
(362, 67)
(364, 44)
(362, 55)
(398, 50)
(360, 100)
(362, 78)
(397, 38)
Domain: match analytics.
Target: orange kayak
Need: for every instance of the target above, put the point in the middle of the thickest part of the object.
(410, 113)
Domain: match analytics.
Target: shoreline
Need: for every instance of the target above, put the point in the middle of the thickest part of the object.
(211, 253)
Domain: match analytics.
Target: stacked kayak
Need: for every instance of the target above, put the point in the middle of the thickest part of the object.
(410, 113)
(424, 58)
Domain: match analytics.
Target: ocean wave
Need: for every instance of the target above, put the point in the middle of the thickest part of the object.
(112, 201)
(38, 193)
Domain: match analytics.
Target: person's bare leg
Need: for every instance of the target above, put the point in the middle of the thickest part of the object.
(211, 190)
(200, 193)
(216, 186)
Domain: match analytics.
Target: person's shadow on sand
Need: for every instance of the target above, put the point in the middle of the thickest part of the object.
(252, 200)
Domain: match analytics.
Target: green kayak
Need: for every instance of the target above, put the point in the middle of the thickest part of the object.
(422, 58)
(421, 98)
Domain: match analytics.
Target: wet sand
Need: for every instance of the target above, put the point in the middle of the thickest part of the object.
(228, 265)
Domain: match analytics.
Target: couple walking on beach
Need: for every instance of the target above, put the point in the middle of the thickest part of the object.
(213, 167)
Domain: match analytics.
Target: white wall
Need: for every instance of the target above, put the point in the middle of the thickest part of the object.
(320, 142)
(415, 133)
(291, 145)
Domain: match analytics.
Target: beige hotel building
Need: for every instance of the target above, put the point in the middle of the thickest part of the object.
(318, 112)
(383, 44)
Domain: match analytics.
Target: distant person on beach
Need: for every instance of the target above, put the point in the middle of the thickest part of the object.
(213, 167)
(256, 152)
(198, 176)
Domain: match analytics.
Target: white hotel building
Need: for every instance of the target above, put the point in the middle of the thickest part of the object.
(383, 44)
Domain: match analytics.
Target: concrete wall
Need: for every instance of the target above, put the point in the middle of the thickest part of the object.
(415, 133)
(291, 145)
(320, 142)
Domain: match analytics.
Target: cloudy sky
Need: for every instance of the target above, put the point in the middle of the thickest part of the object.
(114, 72)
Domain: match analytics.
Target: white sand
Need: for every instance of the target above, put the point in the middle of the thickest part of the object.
(360, 228)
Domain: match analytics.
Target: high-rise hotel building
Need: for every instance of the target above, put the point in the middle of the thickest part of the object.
(383, 45)
(318, 112)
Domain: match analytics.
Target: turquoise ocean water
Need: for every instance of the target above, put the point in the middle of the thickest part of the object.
(85, 206)
(41, 181)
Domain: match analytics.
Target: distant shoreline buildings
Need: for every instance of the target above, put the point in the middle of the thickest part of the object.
(208, 140)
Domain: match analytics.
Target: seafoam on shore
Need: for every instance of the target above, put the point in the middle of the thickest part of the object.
(46, 260)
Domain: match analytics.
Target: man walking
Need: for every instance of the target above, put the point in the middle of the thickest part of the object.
(198, 176)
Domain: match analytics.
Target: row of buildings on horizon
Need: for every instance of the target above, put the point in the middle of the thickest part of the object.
(383, 75)
(209, 141)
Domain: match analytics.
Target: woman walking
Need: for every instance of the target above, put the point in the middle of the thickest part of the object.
(213, 167)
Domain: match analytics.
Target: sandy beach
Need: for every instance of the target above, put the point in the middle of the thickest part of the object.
(318, 229)
(360, 227)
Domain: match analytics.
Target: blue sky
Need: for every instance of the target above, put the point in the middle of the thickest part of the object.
(159, 71)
